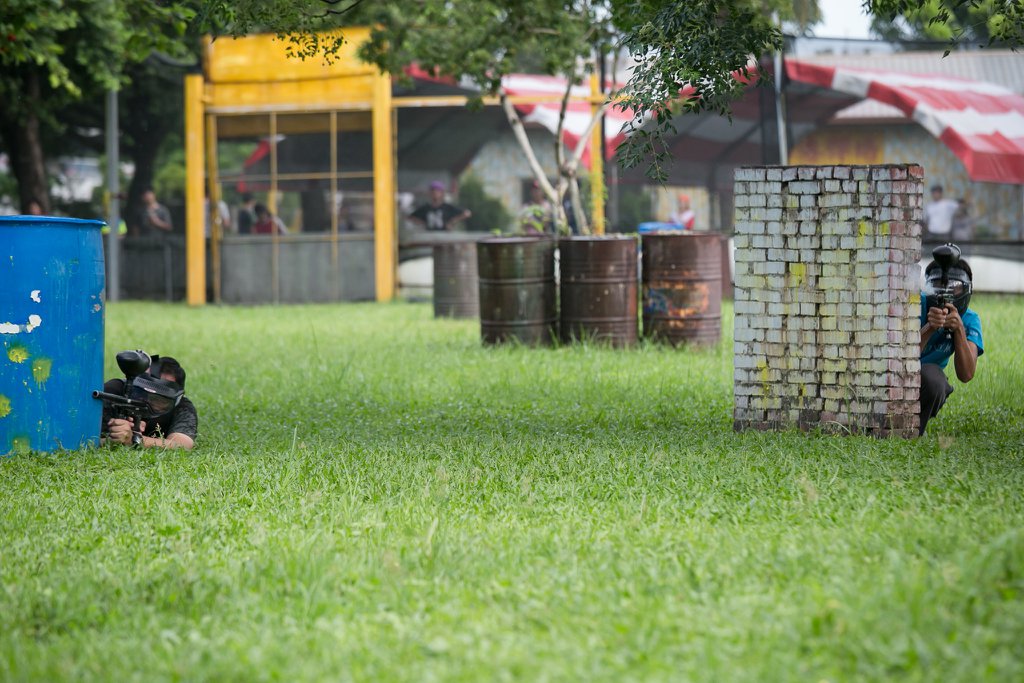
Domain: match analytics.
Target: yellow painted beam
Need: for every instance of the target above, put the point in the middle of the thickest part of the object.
(262, 58)
(195, 242)
(462, 100)
(596, 163)
(385, 238)
(213, 217)
(351, 92)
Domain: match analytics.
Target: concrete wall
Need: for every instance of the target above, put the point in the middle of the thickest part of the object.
(152, 267)
(298, 269)
(827, 298)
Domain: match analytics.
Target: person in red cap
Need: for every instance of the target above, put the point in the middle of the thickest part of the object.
(438, 214)
(684, 215)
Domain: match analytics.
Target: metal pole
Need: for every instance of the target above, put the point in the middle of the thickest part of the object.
(114, 201)
(780, 108)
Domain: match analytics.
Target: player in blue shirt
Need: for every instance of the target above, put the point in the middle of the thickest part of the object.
(948, 328)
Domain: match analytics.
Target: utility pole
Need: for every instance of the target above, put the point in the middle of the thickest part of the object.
(113, 201)
(780, 103)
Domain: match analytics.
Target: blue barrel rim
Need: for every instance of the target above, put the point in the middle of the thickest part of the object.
(63, 221)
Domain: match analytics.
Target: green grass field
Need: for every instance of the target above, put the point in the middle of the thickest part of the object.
(374, 496)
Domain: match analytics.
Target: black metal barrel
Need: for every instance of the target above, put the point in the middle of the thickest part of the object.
(456, 293)
(682, 287)
(517, 289)
(598, 289)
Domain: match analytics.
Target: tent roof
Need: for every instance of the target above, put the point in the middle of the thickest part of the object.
(981, 122)
(578, 112)
(708, 147)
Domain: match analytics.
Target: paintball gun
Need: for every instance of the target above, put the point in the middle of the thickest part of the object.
(946, 256)
(950, 283)
(122, 407)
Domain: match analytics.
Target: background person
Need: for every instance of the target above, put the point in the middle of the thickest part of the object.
(684, 215)
(223, 212)
(962, 229)
(176, 423)
(938, 213)
(246, 214)
(267, 223)
(156, 219)
(437, 214)
(949, 330)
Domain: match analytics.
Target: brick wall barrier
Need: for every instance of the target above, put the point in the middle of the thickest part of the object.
(827, 298)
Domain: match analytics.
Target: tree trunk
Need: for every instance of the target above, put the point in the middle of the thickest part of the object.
(20, 130)
(145, 124)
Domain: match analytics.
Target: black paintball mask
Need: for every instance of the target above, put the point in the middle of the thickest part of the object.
(161, 395)
(947, 281)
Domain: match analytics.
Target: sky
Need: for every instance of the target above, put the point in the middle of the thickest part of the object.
(842, 19)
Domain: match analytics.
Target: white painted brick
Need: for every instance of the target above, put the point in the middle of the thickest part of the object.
(805, 187)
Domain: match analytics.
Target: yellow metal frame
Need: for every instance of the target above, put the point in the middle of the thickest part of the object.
(254, 75)
(384, 233)
(195, 241)
(596, 160)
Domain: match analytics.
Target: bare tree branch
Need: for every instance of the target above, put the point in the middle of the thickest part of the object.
(524, 142)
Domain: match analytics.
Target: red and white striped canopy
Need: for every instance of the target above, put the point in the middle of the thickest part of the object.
(982, 123)
(577, 115)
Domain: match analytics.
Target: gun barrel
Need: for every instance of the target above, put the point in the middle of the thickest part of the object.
(107, 397)
(118, 400)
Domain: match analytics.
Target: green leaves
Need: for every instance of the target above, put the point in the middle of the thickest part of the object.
(981, 22)
(691, 57)
(78, 44)
(482, 41)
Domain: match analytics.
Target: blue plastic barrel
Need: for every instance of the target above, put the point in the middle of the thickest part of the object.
(51, 329)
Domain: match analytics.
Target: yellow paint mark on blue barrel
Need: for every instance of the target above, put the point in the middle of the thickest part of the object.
(17, 353)
(41, 369)
(5, 406)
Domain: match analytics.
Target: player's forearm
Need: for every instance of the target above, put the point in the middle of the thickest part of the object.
(926, 333)
(175, 440)
(965, 357)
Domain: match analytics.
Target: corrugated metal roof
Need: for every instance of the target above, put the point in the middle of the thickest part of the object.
(1001, 67)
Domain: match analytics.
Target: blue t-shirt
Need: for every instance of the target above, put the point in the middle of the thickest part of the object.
(940, 347)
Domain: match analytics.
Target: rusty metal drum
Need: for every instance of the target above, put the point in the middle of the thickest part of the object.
(517, 290)
(682, 287)
(598, 289)
(456, 293)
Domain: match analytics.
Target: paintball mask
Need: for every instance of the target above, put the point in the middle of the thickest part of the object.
(161, 395)
(142, 375)
(946, 282)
